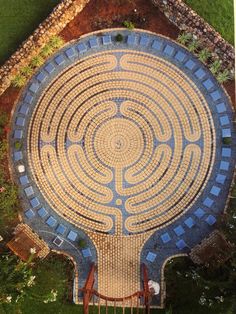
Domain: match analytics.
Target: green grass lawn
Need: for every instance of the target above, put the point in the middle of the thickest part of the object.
(218, 13)
(18, 19)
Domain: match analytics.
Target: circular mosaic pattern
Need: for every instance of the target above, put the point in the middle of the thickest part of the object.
(121, 141)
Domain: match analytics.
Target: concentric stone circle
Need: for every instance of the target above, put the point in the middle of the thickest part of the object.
(121, 124)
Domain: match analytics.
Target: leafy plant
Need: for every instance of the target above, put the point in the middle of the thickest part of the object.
(223, 77)
(204, 55)
(56, 42)
(193, 45)
(227, 140)
(184, 38)
(129, 25)
(3, 149)
(19, 81)
(18, 145)
(82, 243)
(3, 121)
(36, 61)
(119, 37)
(215, 67)
(46, 51)
(26, 71)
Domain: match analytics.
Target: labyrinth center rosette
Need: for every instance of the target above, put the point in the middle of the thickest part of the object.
(121, 142)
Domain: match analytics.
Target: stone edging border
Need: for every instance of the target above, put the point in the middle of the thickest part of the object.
(188, 20)
(61, 15)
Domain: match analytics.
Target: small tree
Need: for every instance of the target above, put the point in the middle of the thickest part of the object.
(119, 37)
(46, 51)
(227, 140)
(82, 243)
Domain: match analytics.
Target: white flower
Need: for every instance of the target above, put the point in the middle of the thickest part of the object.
(202, 300)
(1, 238)
(8, 299)
(31, 282)
(32, 250)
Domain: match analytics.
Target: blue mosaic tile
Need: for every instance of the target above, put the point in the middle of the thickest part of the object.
(28, 98)
(224, 165)
(157, 45)
(215, 190)
(221, 107)
(93, 42)
(189, 222)
(144, 40)
(24, 109)
(106, 40)
(151, 257)
(86, 252)
(18, 156)
(34, 87)
(18, 134)
(81, 48)
(131, 39)
(29, 213)
(70, 53)
(20, 121)
(211, 220)
(208, 202)
(29, 191)
(42, 212)
(61, 229)
(72, 235)
(226, 152)
(51, 222)
(181, 244)
(165, 237)
(59, 60)
(200, 74)
(220, 178)
(208, 84)
(34, 202)
(190, 64)
(41, 77)
(226, 133)
(199, 213)
(180, 56)
(215, 95)
(179, 230)
(50, 68)
(24, 180)
(224, 120)
(169, 50)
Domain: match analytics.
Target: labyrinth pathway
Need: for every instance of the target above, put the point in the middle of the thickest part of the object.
(121, 143)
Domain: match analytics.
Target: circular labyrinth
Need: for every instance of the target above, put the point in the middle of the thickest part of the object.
(120, 138)
(121, 141)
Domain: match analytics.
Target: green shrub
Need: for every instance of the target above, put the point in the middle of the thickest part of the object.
(119, 37)
(3, 149)
(26, 71)
(193, 45)
(36, 61)
(56, 42)
(227, 140)
(19, 81)
(82, 243)
(129, 25)
(223, 77)
(46, 51)
(215, 67)
(17, 145)
(3, 118)
(184, 38)
(204, 55)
